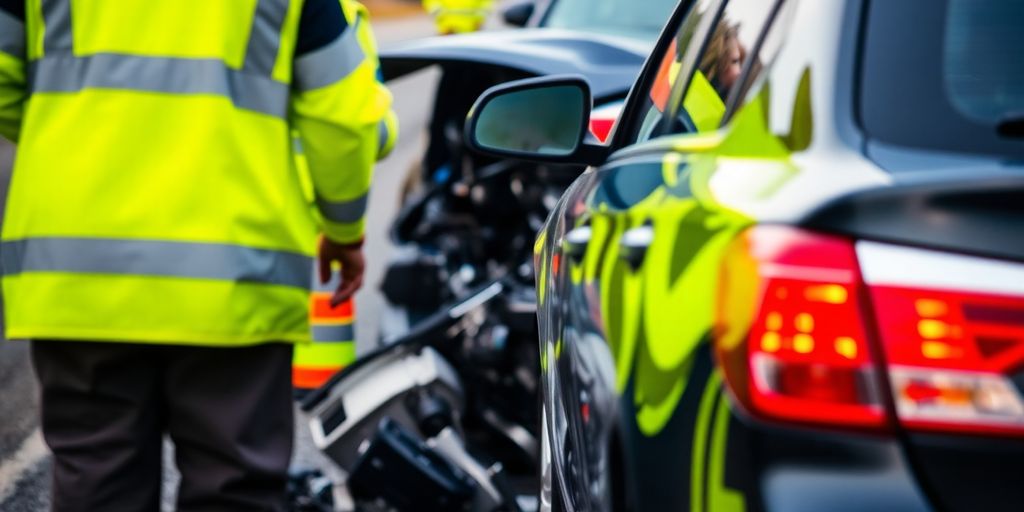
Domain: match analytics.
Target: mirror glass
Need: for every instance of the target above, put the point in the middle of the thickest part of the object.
(545, 120)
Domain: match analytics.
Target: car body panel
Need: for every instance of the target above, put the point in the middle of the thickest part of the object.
(649, 366)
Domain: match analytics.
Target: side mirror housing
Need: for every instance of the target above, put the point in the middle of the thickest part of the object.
(540, 119)
(519, 15)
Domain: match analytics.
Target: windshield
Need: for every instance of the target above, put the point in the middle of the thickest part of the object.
(944, 74)
(641, 19)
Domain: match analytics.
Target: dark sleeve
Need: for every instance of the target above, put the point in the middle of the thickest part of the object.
(16, 8)
(322, 21)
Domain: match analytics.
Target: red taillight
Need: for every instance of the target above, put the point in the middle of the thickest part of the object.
(950, 356)
(792, 337)
(805, 356)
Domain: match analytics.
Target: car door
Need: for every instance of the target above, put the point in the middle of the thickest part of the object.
(628, 269)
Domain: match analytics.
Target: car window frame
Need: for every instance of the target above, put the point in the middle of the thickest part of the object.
(543, 11)
(631, 112)
(738, 94)
(746, 80)
(679, 89)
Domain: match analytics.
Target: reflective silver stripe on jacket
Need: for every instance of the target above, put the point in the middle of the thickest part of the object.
(12, 35)
(251, 88)
(265, 37)
(332, 63)
(335, 333)
(343, 211)
(384, 132)
(222, 262)
(57, 19)
(67, 73)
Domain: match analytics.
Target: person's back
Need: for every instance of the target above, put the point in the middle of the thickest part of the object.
(155, 202)
(142, 115)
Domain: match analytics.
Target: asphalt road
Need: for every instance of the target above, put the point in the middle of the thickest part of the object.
(24, 461)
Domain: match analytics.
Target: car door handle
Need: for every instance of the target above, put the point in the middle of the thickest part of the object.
(634, 245)
(576, 241)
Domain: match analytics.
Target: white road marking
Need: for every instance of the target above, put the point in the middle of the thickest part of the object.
(31, 452)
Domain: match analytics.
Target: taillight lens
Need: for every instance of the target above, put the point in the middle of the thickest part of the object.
(791, 336)
(950, 356)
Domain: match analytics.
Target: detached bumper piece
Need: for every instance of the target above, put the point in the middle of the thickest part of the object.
(408, 475)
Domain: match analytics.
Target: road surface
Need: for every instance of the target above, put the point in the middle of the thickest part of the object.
(24, 461)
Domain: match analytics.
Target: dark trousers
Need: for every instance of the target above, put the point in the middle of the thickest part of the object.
(106, 407)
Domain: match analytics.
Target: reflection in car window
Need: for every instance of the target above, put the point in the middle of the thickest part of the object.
(702, 67)
(624, 187)
(674, 65)
(703, 106)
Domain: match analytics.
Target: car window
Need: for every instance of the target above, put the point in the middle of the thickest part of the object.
(674, 63)
(641, 19)
(982, 68)
(700, 105)
(701, 70)
(956, 80)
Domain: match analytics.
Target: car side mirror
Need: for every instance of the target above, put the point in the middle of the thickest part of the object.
(540, 119)
(519, 15)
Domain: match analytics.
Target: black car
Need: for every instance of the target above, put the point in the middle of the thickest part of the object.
(793, 280)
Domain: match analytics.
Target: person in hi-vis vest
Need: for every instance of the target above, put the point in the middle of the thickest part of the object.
(333, 328)
(158, 236)
(458, 16)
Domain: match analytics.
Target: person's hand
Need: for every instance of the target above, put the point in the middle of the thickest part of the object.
(350, 256)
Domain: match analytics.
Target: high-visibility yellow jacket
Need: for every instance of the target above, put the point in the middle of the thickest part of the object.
(458, 16)
(156, 195)
(333, 342)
